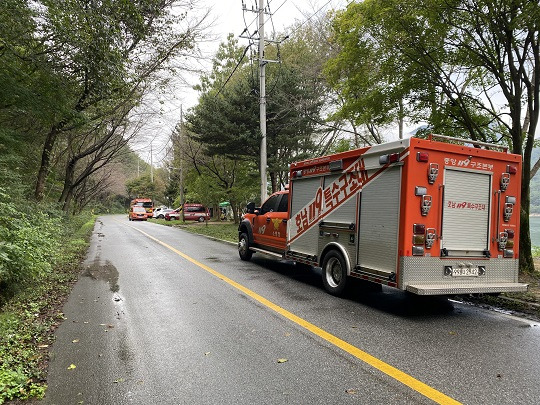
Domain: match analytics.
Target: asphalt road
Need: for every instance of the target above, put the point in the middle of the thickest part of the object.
(168, 317)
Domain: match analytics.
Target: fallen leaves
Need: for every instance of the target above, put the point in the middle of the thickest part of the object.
(282, 360)
(72, 367)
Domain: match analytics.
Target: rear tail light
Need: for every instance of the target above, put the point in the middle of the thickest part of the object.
(510, 233)
(418, 190)
(508, 253)
(418, 250)
(391, 158)
(511, 169)
(419, 229)
(422, 156)
(510, 199)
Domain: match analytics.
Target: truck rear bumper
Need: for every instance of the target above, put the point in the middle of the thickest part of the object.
(446, 289)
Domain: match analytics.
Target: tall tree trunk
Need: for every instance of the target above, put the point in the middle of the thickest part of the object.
(67, 191)
(45, 163)
(273, 181)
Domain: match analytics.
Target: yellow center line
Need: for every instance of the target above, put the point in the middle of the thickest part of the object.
(380, 365)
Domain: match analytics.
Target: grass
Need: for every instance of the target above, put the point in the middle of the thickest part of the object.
(220, 230)
(29, 318)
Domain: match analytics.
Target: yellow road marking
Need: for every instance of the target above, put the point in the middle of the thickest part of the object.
(380, 365)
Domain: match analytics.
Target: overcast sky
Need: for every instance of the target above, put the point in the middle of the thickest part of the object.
(226, 16)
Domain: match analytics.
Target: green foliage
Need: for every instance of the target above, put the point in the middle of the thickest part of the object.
(226, 120)
(141, 187)
(28, 242)
(28, 309)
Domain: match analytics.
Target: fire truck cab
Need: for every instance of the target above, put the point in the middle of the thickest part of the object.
(420, 215)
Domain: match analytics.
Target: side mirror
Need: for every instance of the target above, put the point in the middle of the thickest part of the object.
(250, 208)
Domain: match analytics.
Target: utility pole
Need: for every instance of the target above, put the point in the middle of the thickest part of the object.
(180, 134)
(151, 165)
(262, 113)
(262, 83)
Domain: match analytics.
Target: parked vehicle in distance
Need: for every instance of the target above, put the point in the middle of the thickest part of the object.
(192, 212)
(196, 212)
(146, 203)
(137, 212)
(173, 214)
(159, 213)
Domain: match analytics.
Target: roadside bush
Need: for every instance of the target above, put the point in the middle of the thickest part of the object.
(29, 242)
(40, 252)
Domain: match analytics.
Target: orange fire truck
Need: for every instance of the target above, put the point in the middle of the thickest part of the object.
(429, 216)
(147, 203)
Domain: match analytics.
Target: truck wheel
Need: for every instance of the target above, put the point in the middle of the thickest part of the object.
(334, 273)
(243, 248)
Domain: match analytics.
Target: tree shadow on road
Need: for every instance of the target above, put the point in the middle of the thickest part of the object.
(381, 298)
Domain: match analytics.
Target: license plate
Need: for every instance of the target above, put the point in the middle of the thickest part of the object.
(474, 271)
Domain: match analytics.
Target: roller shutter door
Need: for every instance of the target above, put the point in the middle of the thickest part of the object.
(466, 210)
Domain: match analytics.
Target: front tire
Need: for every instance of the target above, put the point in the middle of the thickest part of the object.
(334, 273)
(243, 248)
(201, 219)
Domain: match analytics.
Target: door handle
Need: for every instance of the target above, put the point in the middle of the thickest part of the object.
(267, 219)
(284, 221)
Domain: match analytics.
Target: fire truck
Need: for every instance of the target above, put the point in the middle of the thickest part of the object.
(433, 216)
(146, 203)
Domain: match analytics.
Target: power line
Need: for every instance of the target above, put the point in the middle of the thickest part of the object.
(234, 70)
(309, 18)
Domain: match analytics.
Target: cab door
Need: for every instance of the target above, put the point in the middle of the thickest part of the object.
(270, 226)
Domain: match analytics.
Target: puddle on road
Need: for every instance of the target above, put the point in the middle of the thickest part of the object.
(106, 272)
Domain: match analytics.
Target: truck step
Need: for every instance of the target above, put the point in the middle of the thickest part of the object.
(443, 289)
(267, 252)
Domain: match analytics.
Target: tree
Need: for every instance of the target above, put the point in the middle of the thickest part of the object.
(226, 120)
(454, 58)
(106, 52)
(141, 187)
(213, 178)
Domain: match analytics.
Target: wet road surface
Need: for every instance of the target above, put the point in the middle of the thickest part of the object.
(164, 323)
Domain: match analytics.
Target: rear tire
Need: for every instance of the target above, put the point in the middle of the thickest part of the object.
(243, 247)
(201, 219)
(334, 273)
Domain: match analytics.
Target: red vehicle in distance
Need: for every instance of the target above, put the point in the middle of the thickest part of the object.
(192, 212)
